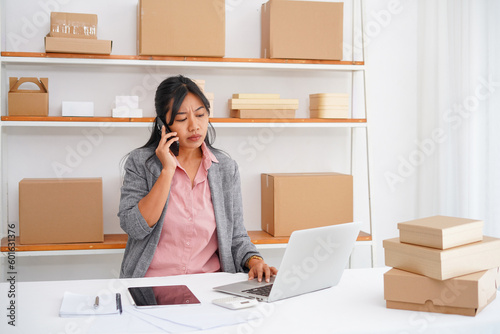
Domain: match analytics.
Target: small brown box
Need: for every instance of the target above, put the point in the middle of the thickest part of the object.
(78, 45)
(181, 28)
(441, 232)
(304, 200)
(73, 25)
(302, 30)
(60, 211)
(443, 264)
(464, 295)
(28, 102)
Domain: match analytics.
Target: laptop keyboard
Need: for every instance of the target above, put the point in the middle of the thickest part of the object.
(261, 290)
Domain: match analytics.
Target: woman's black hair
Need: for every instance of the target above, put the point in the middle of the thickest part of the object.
(171, 92)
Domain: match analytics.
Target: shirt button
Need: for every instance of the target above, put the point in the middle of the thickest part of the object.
(187, 243)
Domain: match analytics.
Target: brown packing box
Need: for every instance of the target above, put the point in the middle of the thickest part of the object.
(329, 113)
(443, 264)
(441, 232)
(304, 200)
(23, 102)
(464, 295)
(73, 25)
(263, 113)
(328, 99)
(77, 45)
(302, 29)
(60, 210)
(181, 28)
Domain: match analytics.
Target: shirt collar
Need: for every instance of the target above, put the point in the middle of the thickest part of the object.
(208, 156)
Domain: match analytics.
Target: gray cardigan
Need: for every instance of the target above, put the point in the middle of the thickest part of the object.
(235, 247)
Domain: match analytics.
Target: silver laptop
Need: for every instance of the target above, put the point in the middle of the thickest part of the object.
(314, 259)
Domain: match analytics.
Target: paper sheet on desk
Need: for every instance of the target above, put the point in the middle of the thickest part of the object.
(174, 319)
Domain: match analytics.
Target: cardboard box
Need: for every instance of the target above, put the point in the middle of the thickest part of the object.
(329, 113)
(302, 30)
(263, 113)
(125, 112)
(328, 99)
(464, 295)
(443, 264)
(77, 109)
(441, 232)
(181, 28)
(304, 200)
(77, 45)
(60, 211)
(28, 102)
(73, 25)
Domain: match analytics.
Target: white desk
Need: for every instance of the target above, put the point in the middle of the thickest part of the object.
(356, 305)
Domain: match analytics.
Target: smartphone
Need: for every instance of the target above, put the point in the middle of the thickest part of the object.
(175, 145)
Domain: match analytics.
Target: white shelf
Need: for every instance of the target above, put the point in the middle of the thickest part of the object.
(66, 252)
(178, 63)
(82, 124)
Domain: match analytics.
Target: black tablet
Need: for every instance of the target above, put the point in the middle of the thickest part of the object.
(167, 295)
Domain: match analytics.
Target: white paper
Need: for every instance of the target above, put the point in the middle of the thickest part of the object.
(75, 305)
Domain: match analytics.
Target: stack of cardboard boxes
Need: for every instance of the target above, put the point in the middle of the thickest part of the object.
(75, 33)
(441, 264)
(262, 106)
(331, 105)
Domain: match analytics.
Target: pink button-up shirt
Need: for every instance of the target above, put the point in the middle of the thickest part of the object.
(188, 240)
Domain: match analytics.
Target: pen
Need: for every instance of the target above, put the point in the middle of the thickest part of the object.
(119, 302)
(96, 303)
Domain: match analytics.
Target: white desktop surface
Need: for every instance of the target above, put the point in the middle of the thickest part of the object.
(355, 305)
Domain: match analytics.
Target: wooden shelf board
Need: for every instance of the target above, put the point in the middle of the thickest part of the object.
(151, 119)
(165, 58)
(119, 241)
(111, 241)
(264, 238)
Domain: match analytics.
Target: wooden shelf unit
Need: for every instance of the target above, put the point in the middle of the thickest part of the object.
(180, 59)
(151, 119)
(118, 241)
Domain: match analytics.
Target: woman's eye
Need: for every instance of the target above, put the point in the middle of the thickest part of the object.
(181, 120)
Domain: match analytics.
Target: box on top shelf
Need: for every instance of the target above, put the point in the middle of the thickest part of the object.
(302, 30)
(73, 25)
(441, 231)
(181, 28)
(294, 201)
(78, 45)
(75, 33)
(23, 102)
(60, 211)
(464, 295)
(443, 264)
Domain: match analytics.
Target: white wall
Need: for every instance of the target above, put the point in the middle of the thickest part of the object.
(392, 100)
(391, 88)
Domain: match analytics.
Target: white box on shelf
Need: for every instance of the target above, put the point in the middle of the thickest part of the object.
(77, 109)
(125, 112)
(131, 101)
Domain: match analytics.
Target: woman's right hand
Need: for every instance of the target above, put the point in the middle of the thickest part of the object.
(163, 150)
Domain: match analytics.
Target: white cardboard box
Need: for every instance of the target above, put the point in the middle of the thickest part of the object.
(77, 109)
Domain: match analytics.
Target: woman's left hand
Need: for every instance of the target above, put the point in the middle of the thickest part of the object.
(259, 269)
